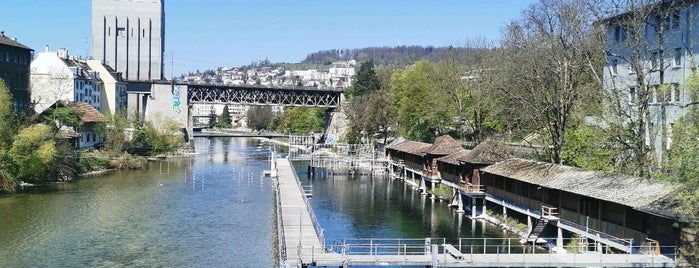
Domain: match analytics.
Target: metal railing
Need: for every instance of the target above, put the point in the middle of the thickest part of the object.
(320, 233)
(386, 246)
(280, 226)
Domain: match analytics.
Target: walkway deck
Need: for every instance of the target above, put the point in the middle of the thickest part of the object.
(300, 240)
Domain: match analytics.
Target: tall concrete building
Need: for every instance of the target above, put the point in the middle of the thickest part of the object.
(129, 36)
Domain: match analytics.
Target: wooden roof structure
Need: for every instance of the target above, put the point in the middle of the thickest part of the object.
(453, 158)
(408, 146)
(490, 152)
(443, 145)
(642, 194)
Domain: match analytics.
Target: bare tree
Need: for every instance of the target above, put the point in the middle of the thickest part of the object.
(547, 64)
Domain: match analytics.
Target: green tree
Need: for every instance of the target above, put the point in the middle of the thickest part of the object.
(212, 118)
(225, 120)
(62, 116)
(366, 80)
(8, 128)
(8, 118)
(33, 151)
(165, 138)
(301, 119)
(259, 117)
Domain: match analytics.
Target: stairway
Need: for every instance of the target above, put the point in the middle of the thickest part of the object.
(538, 228)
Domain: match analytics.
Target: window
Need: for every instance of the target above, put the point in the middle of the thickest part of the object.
(674, 19)
(676, 96)
(109, 31)
(653, 94)
(654, 60)
(619, 34)
(121, 31)
(677, 57)
(614, 66)
(632, 94)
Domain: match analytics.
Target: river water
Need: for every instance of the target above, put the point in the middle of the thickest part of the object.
(211, 210)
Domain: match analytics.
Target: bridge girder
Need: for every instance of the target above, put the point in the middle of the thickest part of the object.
(302, 97)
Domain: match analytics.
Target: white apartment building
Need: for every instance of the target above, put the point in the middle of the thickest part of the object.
(677, 21)
(57, 80)
(54, 76)
(113, 96)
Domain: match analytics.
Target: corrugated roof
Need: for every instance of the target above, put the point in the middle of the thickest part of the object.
(453, 158)
(88, 114)
(443, 145)
(636, 192)
(490, 152)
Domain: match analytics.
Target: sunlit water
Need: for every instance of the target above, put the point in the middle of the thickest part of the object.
(211, 210)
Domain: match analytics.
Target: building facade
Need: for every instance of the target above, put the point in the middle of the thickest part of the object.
(14, 70)
(130, 37)
(56, 77)
(113, 96)
(648, 62)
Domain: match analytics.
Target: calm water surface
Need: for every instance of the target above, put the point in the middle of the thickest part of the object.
(211, 210)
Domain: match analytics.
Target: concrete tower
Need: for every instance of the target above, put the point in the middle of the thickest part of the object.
(129, 36)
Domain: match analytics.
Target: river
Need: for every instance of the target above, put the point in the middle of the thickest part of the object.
(211, 210)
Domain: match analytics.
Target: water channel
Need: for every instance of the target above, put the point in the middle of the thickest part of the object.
(211, 210)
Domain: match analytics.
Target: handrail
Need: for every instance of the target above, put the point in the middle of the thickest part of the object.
(280, 226)
(316, 226)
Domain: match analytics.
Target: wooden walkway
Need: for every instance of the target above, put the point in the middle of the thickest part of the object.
(300, 240)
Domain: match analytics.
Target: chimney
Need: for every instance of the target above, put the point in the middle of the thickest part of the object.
(2, 33)
(46, 48)
(63, 53)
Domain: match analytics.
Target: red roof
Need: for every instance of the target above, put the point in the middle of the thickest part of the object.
(88, 114)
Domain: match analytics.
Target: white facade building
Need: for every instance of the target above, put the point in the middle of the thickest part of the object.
(674, 19)
(113, 95)
(56, 77)
(130, 37)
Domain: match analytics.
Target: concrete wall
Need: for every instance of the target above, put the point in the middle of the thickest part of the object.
(163, 102)
(130, 37)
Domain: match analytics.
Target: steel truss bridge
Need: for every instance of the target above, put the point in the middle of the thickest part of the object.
(259, 95)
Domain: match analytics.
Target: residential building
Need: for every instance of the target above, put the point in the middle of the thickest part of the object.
(86, 135)
(14, 70)
(130, 37)
(55, 76)
(113, 95)
(649, 61)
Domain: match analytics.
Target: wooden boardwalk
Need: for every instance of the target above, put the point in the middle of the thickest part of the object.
(302, 243)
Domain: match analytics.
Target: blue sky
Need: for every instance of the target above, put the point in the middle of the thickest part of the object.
(206, 34)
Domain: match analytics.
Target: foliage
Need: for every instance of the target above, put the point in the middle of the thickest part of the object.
(8, 122)
(421, 113)
(62, 116)
(212, 118)
(588, 147)
(113, 134)
(382, 56)
(259, 117)
(302, 120)
(547, 70)
(33, 150)
(156, 141)
(225, 120)
(365, 81)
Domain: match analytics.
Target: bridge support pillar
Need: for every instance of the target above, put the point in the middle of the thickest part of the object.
(423, 188)
(484, 208)
(504, 209)
(529, 224)
(473, 207)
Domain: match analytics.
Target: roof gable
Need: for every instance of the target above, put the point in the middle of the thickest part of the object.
(443, 145)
